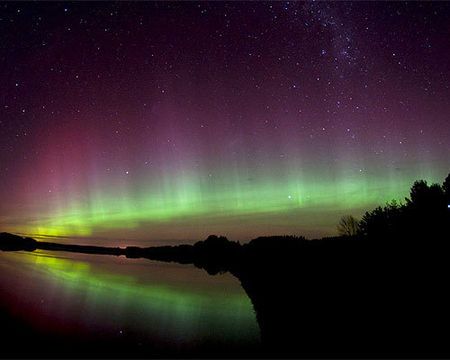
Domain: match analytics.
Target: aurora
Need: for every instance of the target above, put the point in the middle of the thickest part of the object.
(275, 119)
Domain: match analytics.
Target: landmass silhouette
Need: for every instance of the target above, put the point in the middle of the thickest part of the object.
(382, 292)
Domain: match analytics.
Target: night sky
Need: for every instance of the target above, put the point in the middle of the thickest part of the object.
(173, 121)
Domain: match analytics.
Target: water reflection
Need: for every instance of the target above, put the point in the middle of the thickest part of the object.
(167, 306)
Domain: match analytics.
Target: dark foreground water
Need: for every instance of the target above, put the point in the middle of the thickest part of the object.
(76, 304)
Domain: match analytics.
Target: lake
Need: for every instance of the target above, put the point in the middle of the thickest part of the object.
(93, 304)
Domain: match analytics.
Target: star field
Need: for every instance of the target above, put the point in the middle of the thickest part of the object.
(177, 120)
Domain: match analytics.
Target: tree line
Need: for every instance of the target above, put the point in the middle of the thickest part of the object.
(425, 213)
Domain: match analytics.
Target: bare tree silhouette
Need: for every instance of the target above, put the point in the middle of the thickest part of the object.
(348, 225)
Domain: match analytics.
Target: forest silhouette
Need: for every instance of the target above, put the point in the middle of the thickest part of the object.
(380, 292)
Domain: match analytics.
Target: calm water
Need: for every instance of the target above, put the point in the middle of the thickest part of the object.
(144, 304)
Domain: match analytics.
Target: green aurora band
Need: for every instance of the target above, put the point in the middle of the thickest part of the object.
(236, 208)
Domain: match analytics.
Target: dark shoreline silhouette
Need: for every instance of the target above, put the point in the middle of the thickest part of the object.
(343, 296)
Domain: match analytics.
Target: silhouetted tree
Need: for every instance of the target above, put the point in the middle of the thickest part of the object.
(426, 198)
(382, 221)
(418, 194)
(436, 197)
(446, 188)
(348, 225)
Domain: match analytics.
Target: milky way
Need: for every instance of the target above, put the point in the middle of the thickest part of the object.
(164, 121)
